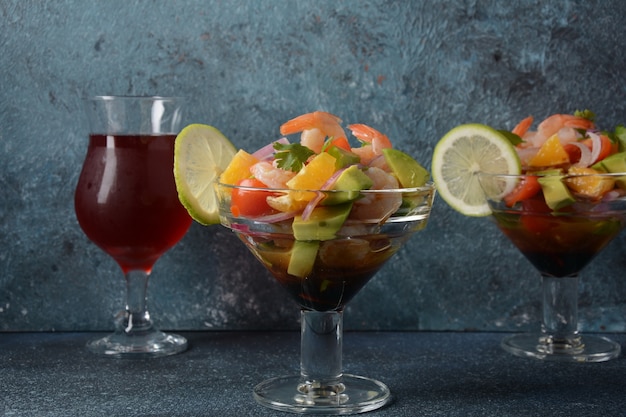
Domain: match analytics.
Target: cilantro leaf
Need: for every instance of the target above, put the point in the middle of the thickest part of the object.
(585, 114)
(291, 156)
(512, 137)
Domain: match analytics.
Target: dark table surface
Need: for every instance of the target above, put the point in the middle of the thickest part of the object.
(429, 374)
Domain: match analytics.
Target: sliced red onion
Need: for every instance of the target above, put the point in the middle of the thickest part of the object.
(319, 196)
(596, 147)
(240, 227)
(585, 155)
(308, 209)
(379, 162)
(612, 195)
(332, 180)
(267, 151)
(276, 217)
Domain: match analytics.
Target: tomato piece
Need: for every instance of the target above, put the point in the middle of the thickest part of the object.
(341, 143)
(527, 188)
(251, 203)
(535, 215)
(573, 151)
(607, 147)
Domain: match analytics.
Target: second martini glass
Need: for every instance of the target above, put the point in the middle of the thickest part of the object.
(559, 243)
(322, 273)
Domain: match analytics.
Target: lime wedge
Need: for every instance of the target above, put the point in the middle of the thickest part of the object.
(460, 155)
(201, 153)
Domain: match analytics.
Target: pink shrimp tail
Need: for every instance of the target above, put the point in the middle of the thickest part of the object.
(554, 123)
(523, 126)
(316, 120)
(368, 134)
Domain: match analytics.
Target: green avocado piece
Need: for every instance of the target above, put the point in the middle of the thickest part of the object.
(344, 158)
(555, 192)
(323, 223)
(349, 184)
(613, 164)
(302, 259)
(406, 169)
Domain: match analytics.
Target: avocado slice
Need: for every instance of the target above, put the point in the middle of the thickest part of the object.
(343, 157)
(323, 223)
(555, 192)
(350, 182)
(406, 169)
(302, 259)
(613, 164)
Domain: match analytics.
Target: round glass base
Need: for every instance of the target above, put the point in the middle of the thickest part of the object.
(138, 345)
(352, 395)
(582, 348)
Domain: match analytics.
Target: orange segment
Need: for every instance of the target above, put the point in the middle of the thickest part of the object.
(593, 186)
(551, 153)
(239, 168)
(285, 203)
(312, 176)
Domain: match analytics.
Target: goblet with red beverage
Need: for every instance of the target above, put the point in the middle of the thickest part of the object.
(126, 203)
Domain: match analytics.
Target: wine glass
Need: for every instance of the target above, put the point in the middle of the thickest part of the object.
(559, 243)
(126, 203)
(322, 265)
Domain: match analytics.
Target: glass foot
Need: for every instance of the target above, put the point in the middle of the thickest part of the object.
(352, 395)
(582, 348)
(142, 345)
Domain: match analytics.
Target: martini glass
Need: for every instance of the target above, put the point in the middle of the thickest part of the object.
(126, 203)
(322, 276)
(559, 244)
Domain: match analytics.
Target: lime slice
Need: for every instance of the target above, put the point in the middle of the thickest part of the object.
(201, 154)
(460, 155)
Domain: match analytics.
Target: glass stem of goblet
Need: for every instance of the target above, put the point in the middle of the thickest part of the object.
(560, 309)
(136, 317)
(321, 350)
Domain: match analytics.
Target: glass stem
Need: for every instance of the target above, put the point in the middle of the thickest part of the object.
(560, 308)
(136, 316)
(321, 349)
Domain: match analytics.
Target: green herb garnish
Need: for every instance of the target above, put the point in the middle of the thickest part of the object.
(291, 156)
(512, 137)
(585, 114)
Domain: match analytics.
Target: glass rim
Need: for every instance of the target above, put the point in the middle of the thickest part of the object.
(429, 186)
(540, 175)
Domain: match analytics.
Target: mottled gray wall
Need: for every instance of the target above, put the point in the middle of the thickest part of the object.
(413, 69)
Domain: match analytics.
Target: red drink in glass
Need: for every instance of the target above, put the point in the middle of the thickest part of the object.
(126, 200)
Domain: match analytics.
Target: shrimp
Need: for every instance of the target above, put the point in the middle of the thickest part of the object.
(377, 207)
(562, 124)
(375, 142)
(270, 175)
(378, 140)
(523, 126)
(315, 128)
(554, 123)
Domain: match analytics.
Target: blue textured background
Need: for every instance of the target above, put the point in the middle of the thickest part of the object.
(411, 69)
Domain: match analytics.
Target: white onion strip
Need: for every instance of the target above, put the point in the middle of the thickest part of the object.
(586, 157)
(596, 146)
